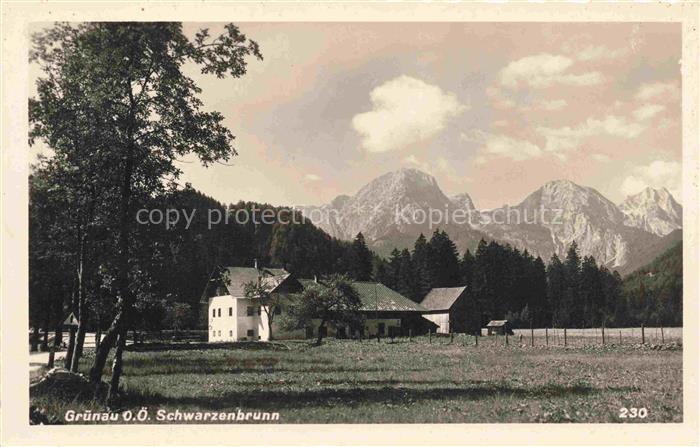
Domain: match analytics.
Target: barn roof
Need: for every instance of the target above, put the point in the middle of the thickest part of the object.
(442, 298)
(378, 297)
(238, 277)
(497, 323)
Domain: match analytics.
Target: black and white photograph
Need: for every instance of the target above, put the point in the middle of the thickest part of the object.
(240, 222)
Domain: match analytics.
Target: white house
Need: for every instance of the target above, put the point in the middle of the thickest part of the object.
(234, 317)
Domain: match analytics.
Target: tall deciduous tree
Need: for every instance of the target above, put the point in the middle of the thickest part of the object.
(123, 84)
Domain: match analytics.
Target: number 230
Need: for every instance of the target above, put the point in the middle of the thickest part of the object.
(633, 413)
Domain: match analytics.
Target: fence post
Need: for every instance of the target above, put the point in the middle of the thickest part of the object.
(430, 336)
(642, 333)
(520, 338)
(476, 341)
(602, 333)
(532, 336)
(564, 336)
(620, 337)
(410, 335)
(506, 338)
(662, 335)
(546, 336)
(452, 337)
(379, 336)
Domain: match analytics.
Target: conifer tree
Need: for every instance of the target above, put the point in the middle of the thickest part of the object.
(419, 260)
(443, 261)
(360, 259)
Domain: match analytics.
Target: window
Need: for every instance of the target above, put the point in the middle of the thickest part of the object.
(213, 333)
(278, 310)
(219, 311)
(250, 311)
(250, 333)
(230, 333)
(219, 333)
(230, 311)
(213, 313)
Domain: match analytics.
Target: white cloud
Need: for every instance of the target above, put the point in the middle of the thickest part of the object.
(495, 145)
(601, 158)
(405, 110)
(554, 105)
(598, 52)
(437, 167)
(569, 138)
(544, 70)
(648, 111)
(661, 90)
(657, 174)
(312, 177)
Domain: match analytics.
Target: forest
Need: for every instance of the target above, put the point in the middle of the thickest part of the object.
(172, 266)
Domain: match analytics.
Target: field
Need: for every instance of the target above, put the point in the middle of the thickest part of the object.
(424, 380)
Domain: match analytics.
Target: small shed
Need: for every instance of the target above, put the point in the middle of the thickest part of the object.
(499, 327)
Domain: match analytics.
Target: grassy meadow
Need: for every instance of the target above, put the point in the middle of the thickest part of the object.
(348, 381)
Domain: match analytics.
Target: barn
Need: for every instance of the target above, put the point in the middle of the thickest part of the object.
(450, 309)
(386, 313)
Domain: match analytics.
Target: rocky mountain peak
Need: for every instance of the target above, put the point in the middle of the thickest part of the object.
(654, 210)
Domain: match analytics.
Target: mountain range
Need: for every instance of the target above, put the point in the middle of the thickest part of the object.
(393, 209)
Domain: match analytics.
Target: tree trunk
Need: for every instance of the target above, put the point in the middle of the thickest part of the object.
(58, 337)
(270, 317)
(78, 347)
(98, 336)
(125, 301)
(71, 348)
(82, 308)
(320, 334)
(45, 327)
(34, 339)
(117, 366)
(102, 352)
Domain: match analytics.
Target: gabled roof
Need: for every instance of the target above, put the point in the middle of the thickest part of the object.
(442, 298)
(238, 277)
(378, 297)
(497, 323)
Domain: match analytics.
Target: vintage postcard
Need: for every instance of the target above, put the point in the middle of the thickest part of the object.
(242, 222)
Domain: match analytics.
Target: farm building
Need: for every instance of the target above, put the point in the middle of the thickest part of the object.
(449, 308)
(234, 317)
(386, 312)
(231, 316)
(499, 327)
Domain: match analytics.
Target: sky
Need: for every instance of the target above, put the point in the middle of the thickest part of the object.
(491, 109)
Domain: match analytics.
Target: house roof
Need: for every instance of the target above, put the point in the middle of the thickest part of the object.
(238, 277)
(497, 323)
(378, 297)
(442, 298)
